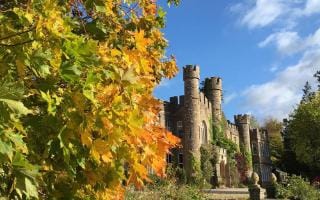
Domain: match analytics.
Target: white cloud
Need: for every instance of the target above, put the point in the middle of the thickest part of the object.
(288, 43)
(274, 68)
(229, 97)
(164, 83)
(264, 13)
(312, 7)
(278, 97)
(285, 19)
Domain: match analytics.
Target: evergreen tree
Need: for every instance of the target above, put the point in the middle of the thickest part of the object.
(307, 93)
(317, 76)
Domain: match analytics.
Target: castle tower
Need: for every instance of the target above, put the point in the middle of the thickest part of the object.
(191, 137)
(213, 90)
(243, 123)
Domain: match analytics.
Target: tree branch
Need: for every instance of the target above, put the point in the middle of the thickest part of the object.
(19, 33)
(17, 44)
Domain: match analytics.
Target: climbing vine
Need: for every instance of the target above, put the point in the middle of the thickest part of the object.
(218, 137)
(209, 159)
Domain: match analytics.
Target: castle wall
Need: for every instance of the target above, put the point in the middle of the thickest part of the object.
(205, 115)
(190, 117)
(232, 133)
(260, 155)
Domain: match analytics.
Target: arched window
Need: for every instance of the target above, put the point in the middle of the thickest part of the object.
(203, 132)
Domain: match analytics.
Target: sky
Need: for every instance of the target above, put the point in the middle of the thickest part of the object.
(264, 50)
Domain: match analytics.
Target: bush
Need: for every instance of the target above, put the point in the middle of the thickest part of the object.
(166, 192)
(297, 188)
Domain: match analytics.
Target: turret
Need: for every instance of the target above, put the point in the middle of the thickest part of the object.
(213, 90)
(191, 138)
(243, 123)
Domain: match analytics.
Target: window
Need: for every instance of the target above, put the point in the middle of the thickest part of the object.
(179, 128)
(180, 133)
(203, 133)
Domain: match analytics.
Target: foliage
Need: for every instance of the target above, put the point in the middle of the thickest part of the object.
(233, 170)
(308, 94)
(242, 167)
(317, 76)
(254, 122)
(300, 135)
(219, 139)
(208, 160)
(176, 173)
(304, 132)
(247, 155)
(274, 128)
(196, 176)
(297, 188)
(169, 187)
(78, 118)
(170, 191)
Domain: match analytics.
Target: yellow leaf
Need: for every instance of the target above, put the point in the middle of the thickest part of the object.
(101, 146)
(86, 138)
(141, 41)
(95, 154)
(29, 17)
(115, 52)
(107, 157)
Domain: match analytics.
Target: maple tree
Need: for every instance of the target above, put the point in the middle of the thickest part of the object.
(78, 118)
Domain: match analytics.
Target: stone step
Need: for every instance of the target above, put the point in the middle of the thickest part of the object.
(228, 193)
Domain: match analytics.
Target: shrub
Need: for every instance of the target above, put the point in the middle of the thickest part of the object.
(297, 188)
(168, 191)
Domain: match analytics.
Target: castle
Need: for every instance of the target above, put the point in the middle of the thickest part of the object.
(190, 117)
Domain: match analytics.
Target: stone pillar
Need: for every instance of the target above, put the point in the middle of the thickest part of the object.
(213, 90)
(191, 137)
(255, 191)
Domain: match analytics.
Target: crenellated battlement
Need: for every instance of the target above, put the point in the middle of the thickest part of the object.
(214, 83)
(204, 100)
(191, 72)
(242, 119)
(177, 100)
(232, 127)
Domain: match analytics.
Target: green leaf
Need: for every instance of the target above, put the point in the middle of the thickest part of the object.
(70, 71)
(6, 149)
(31, 188)
(161, 13)
(89, 87)
(16, 106)
(100, 8)
(51, 104)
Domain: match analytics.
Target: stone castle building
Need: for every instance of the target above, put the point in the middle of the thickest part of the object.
(191, 116)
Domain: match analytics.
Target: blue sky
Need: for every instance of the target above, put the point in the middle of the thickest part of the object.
(264, 50)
